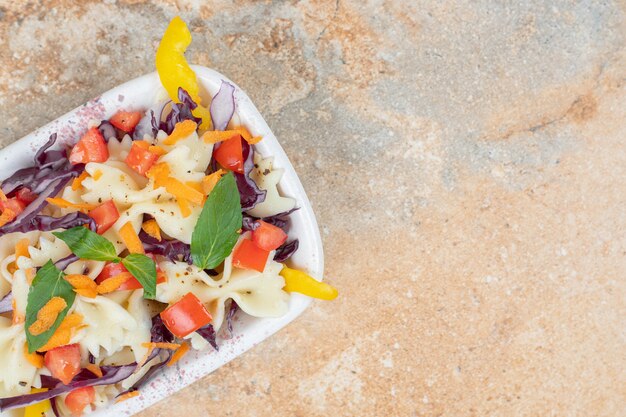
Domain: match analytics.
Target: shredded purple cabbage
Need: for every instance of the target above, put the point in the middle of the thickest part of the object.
(47, 223)
(63, 263)
(30, 212)
(285, 251)
(159, 334)
(180, 111)
(249, 193)
(6, 304)
(208, 333)
(107, 130)
(53, 405)
(172, 249)
(148, 375)
(230, 316)
(49, 167)
(223, 106)
(110, 375)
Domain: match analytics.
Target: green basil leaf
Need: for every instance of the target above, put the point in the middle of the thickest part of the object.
(215, 234)
(49, 282)
(144, 269)
(87, 244)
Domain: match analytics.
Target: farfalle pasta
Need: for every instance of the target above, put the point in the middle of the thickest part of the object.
(139, 243)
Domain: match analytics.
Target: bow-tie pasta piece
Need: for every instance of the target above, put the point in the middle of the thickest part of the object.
(17, 375)
(199, 151)
(267, 178)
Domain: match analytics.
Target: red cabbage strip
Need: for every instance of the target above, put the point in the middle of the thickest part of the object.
(6, 304)
(180, 111)
(110, 375)
(141, 381)
(159, 334)
(285, 251)
(172, 249)
(53, 405)
(278, 220)
(107, 130)
(223, 106)
(208, 333)
(229, 317)
(63, 263)
(47, 223)
(249, 193)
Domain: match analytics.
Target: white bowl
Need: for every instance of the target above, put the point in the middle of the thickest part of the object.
(145, 92)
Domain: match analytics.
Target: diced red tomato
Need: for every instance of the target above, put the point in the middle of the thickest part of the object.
(186, 316)
(230, 154)
(105, 215)
(249, 256)
(90, 148)
(26, 195)
(80, 398)
(126, 120)
(112, 269)
(63, 362)
(267, 236)
(14, 204)
(140, 158)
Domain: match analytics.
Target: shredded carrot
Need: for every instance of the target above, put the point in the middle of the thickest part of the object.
(184, 207)
(255, 140)
(215, 136)
(60, 202)
(63, 334)
(94, 369)
(113, 283)
(151, 227)
(161, 345)
(210, 181)
(12, 268)
(127, 396)
(7, 216)
(245, 133)
(142, 144)
(78, 181)
(79, 281)
(47, 316)
(130, 238)
(180, 190)
(196, 185)
(159, 172)
(157, 150)
(181, 131)
(33, 358)
(180, 352)
(3, 196)
(97, 175)
(21, 248)
(86, 292)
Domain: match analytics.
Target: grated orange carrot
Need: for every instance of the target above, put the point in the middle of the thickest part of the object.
(157, 150)
(113, 283)
(60, 202)
(78, 181)
(159, 172)
(151, 227)
(127, 396)
(161, 345)
(94, 369)
(7, 216)
(86, 292)
(255, 140)
(47, 316)
(130, 238)
(12, 268)
(3, 196)
(180, 190)
(21, 248)
(184, 207)
(63, 334)
(181, 131)
(180, 352)
(79, 281)
(210, 181)
(196, 185)
(97, 174)
(33, 358)
(215, 136)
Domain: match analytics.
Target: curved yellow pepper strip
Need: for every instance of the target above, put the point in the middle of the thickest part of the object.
(298, 281)
(174, 71)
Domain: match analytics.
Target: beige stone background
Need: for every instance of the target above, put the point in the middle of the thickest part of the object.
(467, 165)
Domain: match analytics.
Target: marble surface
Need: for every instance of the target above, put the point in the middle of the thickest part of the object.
(467, 164)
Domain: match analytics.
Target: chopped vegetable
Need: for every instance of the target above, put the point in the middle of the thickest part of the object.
(34, 359)
(180, 352)
(230, 154)
(47, 316)
(105, 216)
(94, 369)
(181, 131)
(127, 396)
(77, 400)
(210, 181)
(151, 227)
(131, 240)
(249, 256)
(126, 120)
(25, 195)
(223, 106)
(249, 192)
(141, 158)
(64, 333)
(63, 362)
(113, 283)
(267, 236)
(78, 181)
(21, 248)
(62, 203)
(90, 148)
(185, 316)
(39, 409)
(298, 281)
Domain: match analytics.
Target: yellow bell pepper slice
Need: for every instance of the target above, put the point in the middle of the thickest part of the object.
(298, 281)
(174, 71)
(38, 409)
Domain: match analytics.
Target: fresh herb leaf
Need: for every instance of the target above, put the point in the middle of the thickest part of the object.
(87, 244)
(49, 282)
(215, 234)
(144, 269)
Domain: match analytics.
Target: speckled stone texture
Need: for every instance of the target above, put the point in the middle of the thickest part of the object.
(467, 165)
